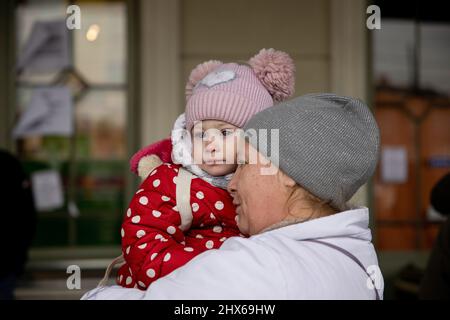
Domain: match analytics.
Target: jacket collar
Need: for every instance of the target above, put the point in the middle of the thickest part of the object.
(351, 223)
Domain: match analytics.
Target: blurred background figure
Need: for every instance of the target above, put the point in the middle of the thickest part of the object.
(18, 218)
(436, 281)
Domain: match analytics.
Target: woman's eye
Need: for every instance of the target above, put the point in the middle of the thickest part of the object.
(241, 161)
(240, 165)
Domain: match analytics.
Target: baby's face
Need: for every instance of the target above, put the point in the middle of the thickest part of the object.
(215, 146)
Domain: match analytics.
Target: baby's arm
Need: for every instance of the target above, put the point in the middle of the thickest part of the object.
(152, 243)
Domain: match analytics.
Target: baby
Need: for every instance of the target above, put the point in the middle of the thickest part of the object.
(182, 208)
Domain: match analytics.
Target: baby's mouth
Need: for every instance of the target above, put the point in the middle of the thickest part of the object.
(214, 162)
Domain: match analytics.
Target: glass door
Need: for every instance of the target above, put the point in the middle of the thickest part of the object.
(71, 128)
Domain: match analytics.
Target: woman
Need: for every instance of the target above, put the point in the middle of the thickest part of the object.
(305, 243)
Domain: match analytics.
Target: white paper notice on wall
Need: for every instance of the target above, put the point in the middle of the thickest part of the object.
(47, 48)
(47, 190)
(49, 113)
(394, 164)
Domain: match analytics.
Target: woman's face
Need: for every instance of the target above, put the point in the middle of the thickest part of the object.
(260, 198)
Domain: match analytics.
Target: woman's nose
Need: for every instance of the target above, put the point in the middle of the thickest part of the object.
(231, 187)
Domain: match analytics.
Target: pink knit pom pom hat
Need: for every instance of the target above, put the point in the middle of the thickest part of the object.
(234, 92)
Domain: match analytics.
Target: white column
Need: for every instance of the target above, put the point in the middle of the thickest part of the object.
(349, 48)
(349, 59)
(160, 72)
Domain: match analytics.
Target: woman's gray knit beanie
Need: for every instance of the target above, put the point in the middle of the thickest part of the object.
(328, 144)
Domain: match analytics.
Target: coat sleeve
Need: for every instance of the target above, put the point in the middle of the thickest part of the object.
(240, 269)
(152, 242)
(161, 148)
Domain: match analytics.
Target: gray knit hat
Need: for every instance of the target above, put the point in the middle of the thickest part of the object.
(328, 144)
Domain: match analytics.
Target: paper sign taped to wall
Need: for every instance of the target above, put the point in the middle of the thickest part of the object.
(50, 112)
(47, 48)
(394, 165)
(47, 190)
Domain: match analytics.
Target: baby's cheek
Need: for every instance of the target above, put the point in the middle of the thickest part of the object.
(230, 154)
(197, 153)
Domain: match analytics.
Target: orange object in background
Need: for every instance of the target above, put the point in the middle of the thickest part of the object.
(418, 126)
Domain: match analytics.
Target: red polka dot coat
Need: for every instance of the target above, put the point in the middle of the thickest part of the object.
(153, 244)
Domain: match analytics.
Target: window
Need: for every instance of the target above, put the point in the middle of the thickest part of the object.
(413, 111)
(92, 160)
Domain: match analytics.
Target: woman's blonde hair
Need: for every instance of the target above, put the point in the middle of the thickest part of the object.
(310, 202)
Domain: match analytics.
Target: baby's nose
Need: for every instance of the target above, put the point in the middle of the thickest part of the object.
(211, 146)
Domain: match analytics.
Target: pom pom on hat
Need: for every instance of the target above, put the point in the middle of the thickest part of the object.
(276, 71)
(198, 73)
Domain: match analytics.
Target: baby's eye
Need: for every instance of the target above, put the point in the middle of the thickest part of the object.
(226, 132)
(199, 135)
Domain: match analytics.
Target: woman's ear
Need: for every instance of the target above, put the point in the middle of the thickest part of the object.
(286, 180)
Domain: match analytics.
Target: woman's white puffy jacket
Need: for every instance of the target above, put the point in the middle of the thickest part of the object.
(277, 264)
